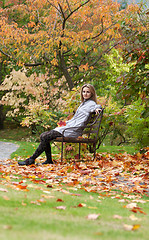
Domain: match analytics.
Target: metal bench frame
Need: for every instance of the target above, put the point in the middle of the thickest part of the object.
(92, 126)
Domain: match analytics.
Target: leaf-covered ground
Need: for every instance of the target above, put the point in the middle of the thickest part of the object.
(122, 177)
(128, 173)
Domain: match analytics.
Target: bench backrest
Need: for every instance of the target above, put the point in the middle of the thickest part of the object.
(92, 125)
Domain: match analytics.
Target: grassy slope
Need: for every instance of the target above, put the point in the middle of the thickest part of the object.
(20, 219)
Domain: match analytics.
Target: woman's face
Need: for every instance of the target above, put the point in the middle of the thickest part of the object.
(86, 93)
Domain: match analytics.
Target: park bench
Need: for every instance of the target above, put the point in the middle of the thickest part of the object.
(89, 136)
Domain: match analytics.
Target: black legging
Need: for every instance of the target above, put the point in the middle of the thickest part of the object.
(44, 145)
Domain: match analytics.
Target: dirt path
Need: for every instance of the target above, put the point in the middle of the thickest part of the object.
(6, 149)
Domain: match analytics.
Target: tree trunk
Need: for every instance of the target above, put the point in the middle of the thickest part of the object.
(2, 115)
(63, 68)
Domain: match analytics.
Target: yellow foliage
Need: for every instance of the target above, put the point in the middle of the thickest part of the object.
(54, 61)
(32, 93)
(84, 67)
(51, 28)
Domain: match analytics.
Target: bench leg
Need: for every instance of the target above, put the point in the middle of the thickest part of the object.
(94, 150)
(79, 150)
(62, 151)
(94, 154)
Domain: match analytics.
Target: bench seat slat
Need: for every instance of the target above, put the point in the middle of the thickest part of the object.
(74, 140)
(91, 131)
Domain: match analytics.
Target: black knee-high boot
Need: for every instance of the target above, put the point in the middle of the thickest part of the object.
(48, 154)
(40, 149)
(31, 160)
(43, 146)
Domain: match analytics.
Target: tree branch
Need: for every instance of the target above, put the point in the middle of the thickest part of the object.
(81, 5)
(62, 11)
(7, 55)
(68, 5)
(102, 31)
(53, 5)
(64, 21)
(33, 64)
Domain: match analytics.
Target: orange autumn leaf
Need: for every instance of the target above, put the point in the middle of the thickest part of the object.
(41, 200)
(21, 186)
(136, 227)
(140, 211)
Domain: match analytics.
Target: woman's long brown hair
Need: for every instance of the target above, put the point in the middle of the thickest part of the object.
(93, 92)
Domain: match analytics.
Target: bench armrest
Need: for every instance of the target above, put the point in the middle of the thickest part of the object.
(98, 115)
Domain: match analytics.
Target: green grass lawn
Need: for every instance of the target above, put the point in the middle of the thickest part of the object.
(33, 215)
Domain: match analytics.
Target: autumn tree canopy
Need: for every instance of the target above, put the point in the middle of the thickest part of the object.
(67, 37)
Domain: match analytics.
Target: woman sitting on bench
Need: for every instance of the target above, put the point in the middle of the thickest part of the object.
(73, 127)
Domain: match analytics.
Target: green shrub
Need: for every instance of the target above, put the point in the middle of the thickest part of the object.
(138, 123)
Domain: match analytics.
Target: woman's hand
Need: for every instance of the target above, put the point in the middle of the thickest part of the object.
(98, 110)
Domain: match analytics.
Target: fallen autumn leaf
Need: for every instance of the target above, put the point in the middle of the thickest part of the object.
(92, 216)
